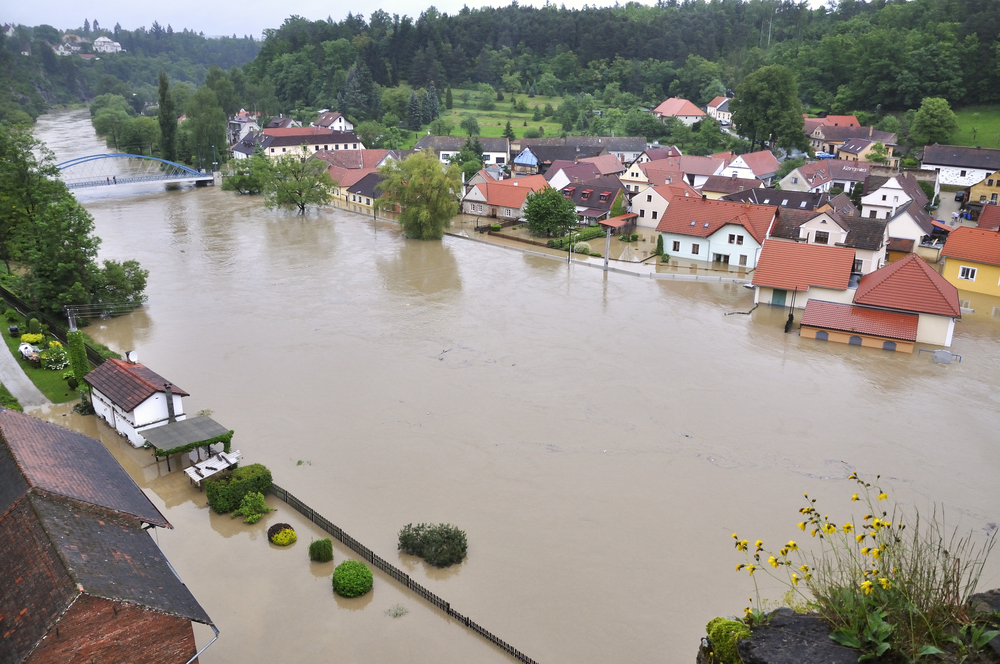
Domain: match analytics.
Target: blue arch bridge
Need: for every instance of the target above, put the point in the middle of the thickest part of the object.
(104, 170)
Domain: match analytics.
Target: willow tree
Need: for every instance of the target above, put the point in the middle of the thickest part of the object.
(425, 191)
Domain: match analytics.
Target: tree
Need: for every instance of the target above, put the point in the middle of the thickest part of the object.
(204, 128)
(619, 207)
(431, 108)
(767, 109)
(225, 92)
(248, 176)
(470, 125)
(297, 183)
(508, 132)
(934, 122)
(879, 153)
(442, 127)
(414, 118)
(448, 101)
(27, 183)
(167, 118)
(425, 193)
(548, 212)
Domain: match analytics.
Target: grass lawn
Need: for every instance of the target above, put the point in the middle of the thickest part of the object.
(50, 383)
(978, 125)
(492, 123)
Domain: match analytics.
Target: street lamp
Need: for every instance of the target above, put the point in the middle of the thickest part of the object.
(215, 160)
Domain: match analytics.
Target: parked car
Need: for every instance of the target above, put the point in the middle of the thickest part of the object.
(960, 196)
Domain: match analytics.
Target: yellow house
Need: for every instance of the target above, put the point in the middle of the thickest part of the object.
(987, 191)
(972, 260)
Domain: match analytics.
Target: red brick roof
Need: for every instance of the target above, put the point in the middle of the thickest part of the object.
(701, 218)
(797, 266)
(618, 222)
(65, 463)
(511, 193)
(677, 106)
(128, 385)
(849, 318)
(718, 101)
(762, 162)
(977, 245)
(989, 218)
(909, 284)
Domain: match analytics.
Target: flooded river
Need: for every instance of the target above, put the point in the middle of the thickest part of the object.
(598, 437)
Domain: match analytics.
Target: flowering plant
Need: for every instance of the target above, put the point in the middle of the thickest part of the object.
(885, 583)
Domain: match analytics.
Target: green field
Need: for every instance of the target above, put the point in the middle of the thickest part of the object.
(978, 126)
(492, 123)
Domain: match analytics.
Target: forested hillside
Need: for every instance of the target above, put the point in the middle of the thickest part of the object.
(857, 56)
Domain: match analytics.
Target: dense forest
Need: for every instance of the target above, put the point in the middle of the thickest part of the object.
(29, 84)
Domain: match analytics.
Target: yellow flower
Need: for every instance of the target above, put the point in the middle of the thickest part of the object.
(739, 567)
(741, 545)
(848, 527)
(804, 568)
(751, 568)
(773, 562)
(795, 579)
(760, 544)
(735, 537)
(867, 587)
(855, 497)
(883, 496)
(802, 526)
(885, 583)
(792, 546)
(864, 551)
(876, 553)
(813, 532)
(859, 537)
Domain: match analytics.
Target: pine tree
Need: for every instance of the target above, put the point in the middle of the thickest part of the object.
(167, 118)
(96, 25)
(531, 90)
(537, 115)
(86, 27)
(508, 132)
(432, 103)
(413, 114)
(448, 101)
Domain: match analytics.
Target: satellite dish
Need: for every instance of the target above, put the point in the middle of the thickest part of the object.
(132, 356)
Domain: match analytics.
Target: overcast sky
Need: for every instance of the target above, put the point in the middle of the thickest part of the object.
(249, 17)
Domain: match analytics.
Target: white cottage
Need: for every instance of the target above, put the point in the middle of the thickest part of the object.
(131, 397)
(958, 165)
(715, 231)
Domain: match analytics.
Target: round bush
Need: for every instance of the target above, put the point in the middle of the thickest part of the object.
(321, 551)
(277, 528)
(285, 537)
(581, 248)
(352, 578)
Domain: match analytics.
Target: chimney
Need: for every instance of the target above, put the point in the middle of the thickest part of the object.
(171, 418)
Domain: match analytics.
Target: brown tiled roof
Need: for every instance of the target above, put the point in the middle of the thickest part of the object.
(676, 188)
(909, 284)
(655, 154)
(610, 185)
(701, 218)
(128, 385)
(762, 162)
(843, 204)
(578, 170)
(788, 220)
(840, 133)
(797, 266)
(677, 106)
(353, 158)
(901, 244)
(989, 218)
(862, 233)
(849, 318)
(855, 145)
(511, 193)
(978, 245)
(962, 157)
(717, 101)
(729, 185)
(66, 463)
(607, 164)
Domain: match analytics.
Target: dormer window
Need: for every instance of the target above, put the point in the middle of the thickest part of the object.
(585, 194)
(568, 191)
(803, 204)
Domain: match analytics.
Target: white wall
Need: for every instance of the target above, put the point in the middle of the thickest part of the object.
(937, 330)
(763, 295)
(953, 176)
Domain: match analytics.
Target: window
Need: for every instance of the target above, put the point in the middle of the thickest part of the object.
(506, 212)
(962, 174)
(694, 249)
(989, 183)
(480, 208)
(871, 215)
(282, 149)
(743, 260)
(316, 148)
(884, 197)
(486, 159)
(859, 265)
(604, 195)
(336, 147)
(993, 199)
(354, 148)
(795, 180)
(368, 201)
(654, 214)
(739, 239)
(585, 194)
(888, 345)
(326, 147)
(642, 213)
(967, 273)
(677, 246)
(272, 150)
(854, 340)
(649, 198)
(822, 335)
(803, 204)
(784, 202)
(732, 238)
(822, 237)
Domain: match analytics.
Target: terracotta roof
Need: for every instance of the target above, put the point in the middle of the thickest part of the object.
(901, 244)
(511, 193)
(65, 463)
(607, 164)
(963, 157)
(797, 266)
(849, 318)
(717, 101)
(579, 170)
(701, 218)
(618, 222)
(661, 172)
(676, 106)
(729, 185)
(676, 188)
(354, 158)
(909, 284)
(762, 162)
(348, 177)
(726, 156)
(828, 132)
(978, 245)
(989, 218)
(128, 385)
(840, 120)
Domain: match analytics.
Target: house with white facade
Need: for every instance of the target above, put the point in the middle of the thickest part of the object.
(821, 176)
(869, 238)
(715, 231)
(718, 109)
(650, 205)
(106, 45)
(130, 397)
(496, 151)
(884, 196)
(761, 165)
(333, 121)
(789, 274)
(681, 109)
(958, 165)
(306, 141)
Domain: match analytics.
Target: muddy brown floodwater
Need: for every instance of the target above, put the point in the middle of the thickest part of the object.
(598, 437)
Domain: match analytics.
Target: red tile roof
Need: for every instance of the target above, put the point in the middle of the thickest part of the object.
(978, 245)
(762, 162)
(607, 164)
(677, 188)
(718, 101)
(618, 222)
(513, 192)
(128, 385)
(909, 284)
(849, 318)
(701, 218)
(989, 218)
(677, 106)
(797, 266)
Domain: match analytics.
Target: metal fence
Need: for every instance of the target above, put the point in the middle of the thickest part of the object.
(393, 571)
(57, 330)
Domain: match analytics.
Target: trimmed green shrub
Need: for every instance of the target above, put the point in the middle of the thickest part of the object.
(581, 248)
(284, 537)
(495, 227)
(30, 338)
(724, 635)
(12, 316)
(659, 245)
(252, 506)
(34, 327)
(440, 545)
(224, 494)
(352, 578)
(77, 350)
(321, 551)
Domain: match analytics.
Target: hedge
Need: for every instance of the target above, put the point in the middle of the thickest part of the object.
(224, 494)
